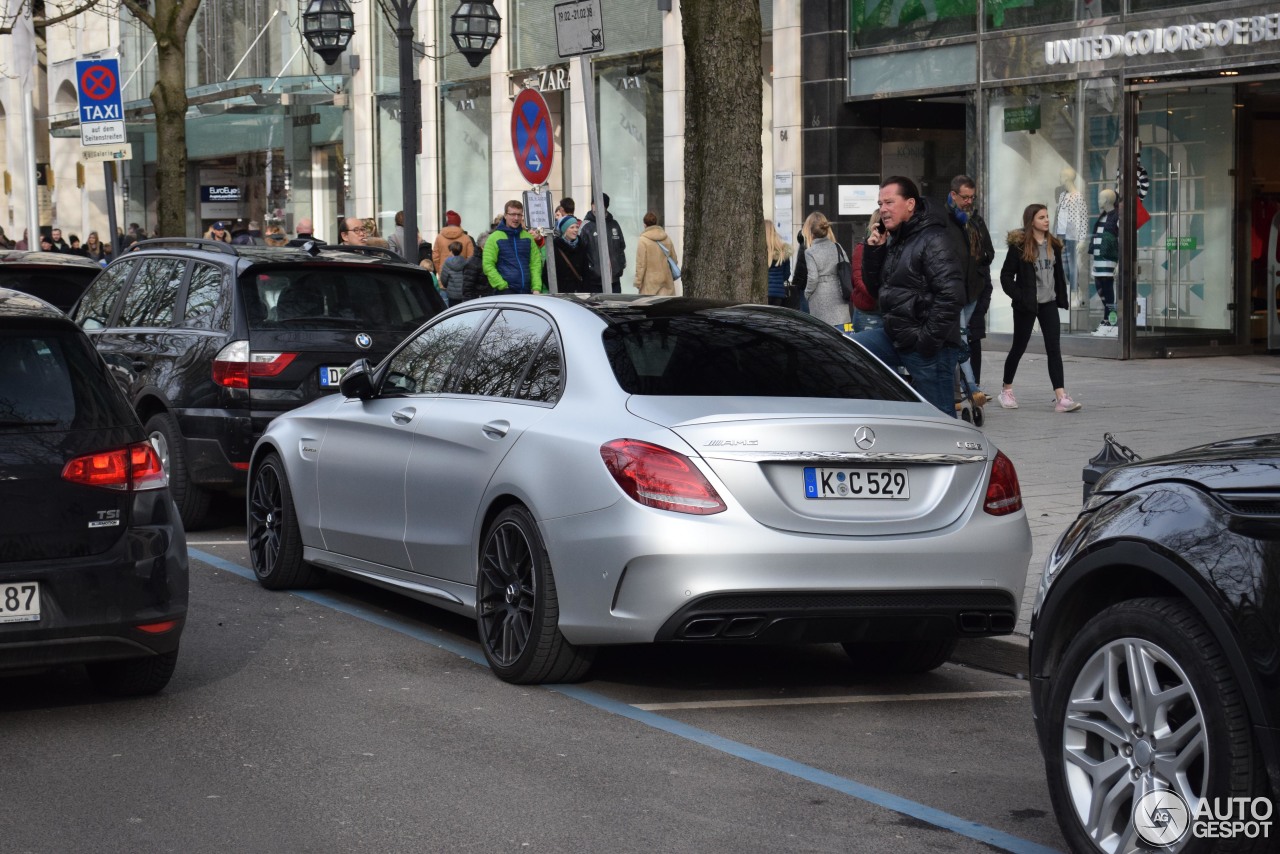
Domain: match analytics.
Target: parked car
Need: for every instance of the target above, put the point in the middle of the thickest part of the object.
(93, 559)
(211, 341)
(583, 471)
(1155, 649)
(55, 277)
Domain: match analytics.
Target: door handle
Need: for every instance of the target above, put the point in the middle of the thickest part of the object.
(496, 429)
(138, 365)
(404, 416)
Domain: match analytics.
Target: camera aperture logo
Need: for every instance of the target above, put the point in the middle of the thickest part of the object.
(1163, 818)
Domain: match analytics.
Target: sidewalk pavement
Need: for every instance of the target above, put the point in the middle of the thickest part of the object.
(1154, 406)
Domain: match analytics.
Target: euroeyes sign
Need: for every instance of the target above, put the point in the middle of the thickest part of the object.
(1160, 40)
(220, 193)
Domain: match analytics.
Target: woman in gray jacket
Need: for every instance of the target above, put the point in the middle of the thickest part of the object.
(826, 299)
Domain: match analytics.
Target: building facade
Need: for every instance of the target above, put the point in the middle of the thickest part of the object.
(1154, 116)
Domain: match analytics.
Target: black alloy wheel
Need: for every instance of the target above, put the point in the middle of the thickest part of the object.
(517, 611)
(275, 544)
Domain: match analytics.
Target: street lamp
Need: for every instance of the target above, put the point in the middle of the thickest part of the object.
(475, 28)
(328, 26)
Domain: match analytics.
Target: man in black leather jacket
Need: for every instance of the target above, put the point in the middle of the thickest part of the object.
(913, 267)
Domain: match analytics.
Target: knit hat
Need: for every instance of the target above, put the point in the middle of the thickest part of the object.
(566, 222)
(452, 218)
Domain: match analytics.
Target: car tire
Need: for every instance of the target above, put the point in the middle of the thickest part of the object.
(133, 677)
(899, 657)
(192, 500)
(275, 543)
(517, 611)
(1100, 754)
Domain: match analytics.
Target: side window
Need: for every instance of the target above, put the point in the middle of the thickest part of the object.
(154, 291)
(498, 364)
(94, 310)
(203, 296)
(542, 381)
(422, 364)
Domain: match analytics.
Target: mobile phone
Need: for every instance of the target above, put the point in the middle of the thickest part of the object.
(879, 228)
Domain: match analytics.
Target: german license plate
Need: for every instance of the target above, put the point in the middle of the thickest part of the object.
(856, 483)
(20, 602)
(330, 377)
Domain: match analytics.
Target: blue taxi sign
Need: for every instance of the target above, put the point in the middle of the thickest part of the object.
(101, 106)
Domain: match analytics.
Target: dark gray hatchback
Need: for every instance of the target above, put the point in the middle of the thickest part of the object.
(211, 341)
(93, 558)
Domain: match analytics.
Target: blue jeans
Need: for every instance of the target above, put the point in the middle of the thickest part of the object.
(934, 377)
(966, 314)
(864, 320)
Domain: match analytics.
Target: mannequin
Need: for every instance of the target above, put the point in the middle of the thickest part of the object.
(1070, 223)
(1105, 249)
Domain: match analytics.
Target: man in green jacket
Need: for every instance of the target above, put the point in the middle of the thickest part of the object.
(512, 260)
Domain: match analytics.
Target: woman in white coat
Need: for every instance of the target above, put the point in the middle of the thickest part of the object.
(826, 299)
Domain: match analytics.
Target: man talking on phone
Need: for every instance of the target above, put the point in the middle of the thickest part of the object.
(913, 267)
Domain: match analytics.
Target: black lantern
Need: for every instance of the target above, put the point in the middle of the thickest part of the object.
(475, 28)
(328, 26)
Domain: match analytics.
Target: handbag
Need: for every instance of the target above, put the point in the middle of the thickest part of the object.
(675, 268)
(844, 274)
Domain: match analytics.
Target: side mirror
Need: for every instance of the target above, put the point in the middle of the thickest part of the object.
(358, 380)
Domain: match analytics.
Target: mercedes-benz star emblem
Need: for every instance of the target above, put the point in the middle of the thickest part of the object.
(364, 341)
(864, 438)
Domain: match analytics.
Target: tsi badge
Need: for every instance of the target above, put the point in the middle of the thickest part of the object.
(106, 519)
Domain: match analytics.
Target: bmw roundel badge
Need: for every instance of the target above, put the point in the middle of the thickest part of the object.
(364, 341)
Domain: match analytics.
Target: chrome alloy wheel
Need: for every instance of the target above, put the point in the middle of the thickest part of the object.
(507, 594)
(1133, 725)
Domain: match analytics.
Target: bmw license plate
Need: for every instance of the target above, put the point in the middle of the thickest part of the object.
(20, 602)
(330, 377)
(856, 483)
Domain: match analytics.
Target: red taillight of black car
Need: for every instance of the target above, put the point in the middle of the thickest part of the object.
(236, 363)
(134, 468)
(659, 477)
(1004, 496)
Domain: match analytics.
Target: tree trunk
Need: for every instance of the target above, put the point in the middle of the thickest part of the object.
(723, 212)
(169, 96)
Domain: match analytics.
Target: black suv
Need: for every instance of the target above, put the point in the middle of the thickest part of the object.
(56, 277)
(1155, 654)
(211, 341)
(93, 559)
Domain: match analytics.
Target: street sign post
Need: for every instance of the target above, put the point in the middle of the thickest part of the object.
(102, 153)
(531, 137)
(101, 106)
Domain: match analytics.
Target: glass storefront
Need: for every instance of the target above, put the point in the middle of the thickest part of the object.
(466, 125)
(629, 113)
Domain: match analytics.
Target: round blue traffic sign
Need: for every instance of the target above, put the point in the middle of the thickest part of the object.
(531, 136)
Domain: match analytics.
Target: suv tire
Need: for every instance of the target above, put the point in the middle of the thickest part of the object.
(192, 500)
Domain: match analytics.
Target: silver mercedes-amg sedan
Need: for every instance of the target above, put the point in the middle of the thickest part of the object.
(577, 471)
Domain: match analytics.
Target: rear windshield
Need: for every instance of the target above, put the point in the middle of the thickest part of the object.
(739, 351)
(58, 286)
(53, 379)
(333, 297)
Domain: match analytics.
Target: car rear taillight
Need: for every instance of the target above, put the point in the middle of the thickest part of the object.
(658, 477)
(134, 467)
(1004, 496)
(236, 363)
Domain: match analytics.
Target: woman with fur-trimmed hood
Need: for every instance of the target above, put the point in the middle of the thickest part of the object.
(1034, 278)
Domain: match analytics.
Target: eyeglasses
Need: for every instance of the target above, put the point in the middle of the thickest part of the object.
(966, 198)
(517, 214)
(359, 228)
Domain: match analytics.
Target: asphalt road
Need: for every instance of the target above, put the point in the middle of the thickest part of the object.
(350, 719)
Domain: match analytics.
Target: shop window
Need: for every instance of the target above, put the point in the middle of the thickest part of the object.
(629, 110)
(1010, 14)
(629, 26)
(465, 117)
(874, 23)
(913, 70)
(1057, 145)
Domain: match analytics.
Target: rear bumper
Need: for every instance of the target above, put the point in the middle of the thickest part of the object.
(90, 607)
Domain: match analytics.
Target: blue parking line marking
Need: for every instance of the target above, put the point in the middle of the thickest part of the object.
(852, 788)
